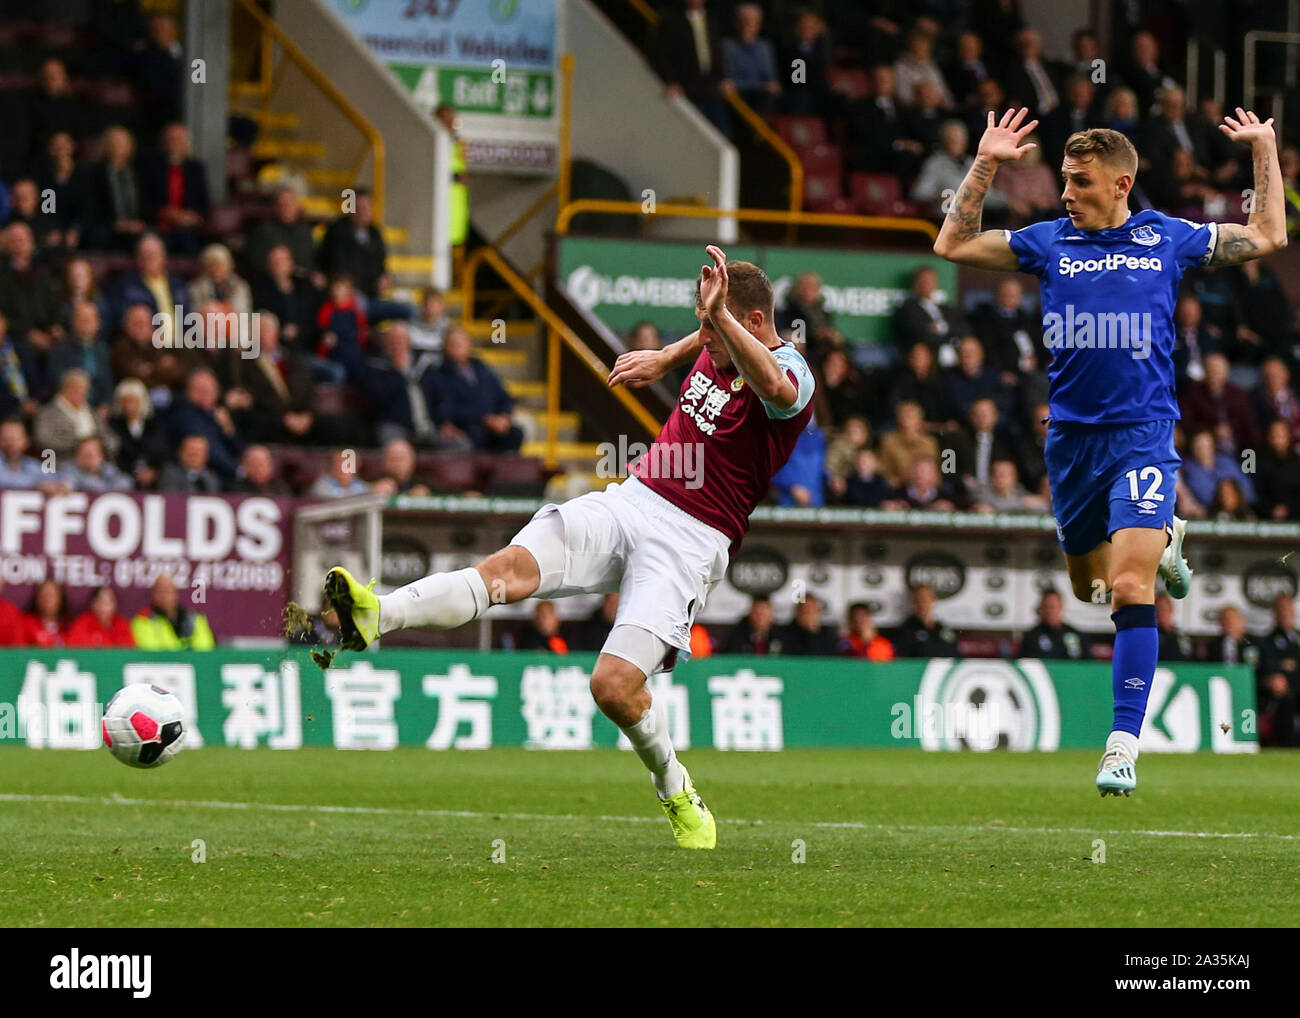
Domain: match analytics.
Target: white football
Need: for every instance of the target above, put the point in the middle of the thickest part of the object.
(143, 725)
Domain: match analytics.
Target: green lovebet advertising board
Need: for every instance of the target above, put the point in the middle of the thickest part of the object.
(453, 700)
(624, 282)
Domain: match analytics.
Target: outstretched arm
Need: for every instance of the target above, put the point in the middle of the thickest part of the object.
(1265, 230)
(639, 368)
(960, 239)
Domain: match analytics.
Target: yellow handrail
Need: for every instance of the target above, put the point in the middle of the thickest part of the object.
(646, 11)
(323, 83)
(842, 219)
(760, 127)
(584, 353)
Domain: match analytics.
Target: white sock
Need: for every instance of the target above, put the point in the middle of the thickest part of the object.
(440, 601)
(649, 737)
(1126, 741)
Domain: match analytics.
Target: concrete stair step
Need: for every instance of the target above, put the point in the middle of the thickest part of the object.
(284, 148)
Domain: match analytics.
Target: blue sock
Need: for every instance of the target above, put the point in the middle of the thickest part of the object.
(1137, 648)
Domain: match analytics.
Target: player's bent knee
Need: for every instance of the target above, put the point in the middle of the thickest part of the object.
(510, 574)
(1130, 588)
(615, 684)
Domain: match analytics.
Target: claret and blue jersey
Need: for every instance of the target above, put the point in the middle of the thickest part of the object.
(1108, 319)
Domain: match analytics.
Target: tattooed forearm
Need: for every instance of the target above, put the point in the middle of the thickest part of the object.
(1265, 230)
(967, 209)
(1236, 245)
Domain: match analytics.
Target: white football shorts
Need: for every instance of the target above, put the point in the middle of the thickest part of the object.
(662, 561)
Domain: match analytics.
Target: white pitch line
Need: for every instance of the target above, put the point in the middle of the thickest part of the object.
(276, 807)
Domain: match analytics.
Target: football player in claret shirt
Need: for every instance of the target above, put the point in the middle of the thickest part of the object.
(1109, 284)
(662, 539)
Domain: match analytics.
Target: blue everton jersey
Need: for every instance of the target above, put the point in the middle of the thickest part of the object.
(1108, 312)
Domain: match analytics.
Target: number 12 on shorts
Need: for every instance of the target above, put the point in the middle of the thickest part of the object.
(1142, 474)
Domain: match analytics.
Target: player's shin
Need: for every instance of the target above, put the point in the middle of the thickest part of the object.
(1137, 645)
(439, 601)
(650, 741)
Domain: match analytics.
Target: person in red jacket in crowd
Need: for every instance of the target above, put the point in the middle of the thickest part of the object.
(46, 621)
(863, 640)
(11, 623)
(100, 625)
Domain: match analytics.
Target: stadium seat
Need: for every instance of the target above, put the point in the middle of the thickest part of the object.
(447, 473)
(820, 188)
(851, 82)
(225, 219)
(798, 131)
(879, 194)
(337, 400)
(821, 158)
(512, 475)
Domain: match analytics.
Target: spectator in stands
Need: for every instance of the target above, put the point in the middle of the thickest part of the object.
(1229, 502)
(644, 336)
(1005, 494)
(1175, 645)
(690, 61)
(843, 448)
(1009, 333)
(17, 375)
(841, 391)
(152, 285)
(1265, 313)
(1086, 60)
(967, 68)
(68, 418)
(878, 130)
(922, 318)
(79, 287)
(1277, 481)
(190, 472)
(46, 621)
(944, 170)
(341, 479)
(753, 634)
(285, 290)
(81, 348)
(11, 622)
(58, 171)
(405, 397)
(174, 191)
(1274, 399)
(90, 471)
(543, 632)
(353, 246)
(1193, 341)
(200, 412)
(806, 315)
(29, 298)
(17, 469)
(1144, 75)
(257, 474)
(1234, 645)
(217, 287)
(979, 444)
(749, 60)
(1029, 451)
(472, 401)
(802, 480)
(157, 71)
(344, 335)
(1206, 467)
(989, 95)
(100, 625)
(134, 355)
(1053, 639)
(595, 628)
(866, 486)
(1121, 113)
(919, 381)
(25, 208)
(270, 399)
(921, 634)
(926, 488)
(908, 443)
(141, 444)
(1032, 81)
(1079, 112)
(927, 116)
(805, 636)
(115, 216)
(1030, 187)
(399, 471)
(863, 639)
(428, 331)
(54, 107)
(972, 379)
(1279, 677)
(917, 65)
(810, 45)
(1290, 163)
(167, 625)
(1221, 407)
(286, 228)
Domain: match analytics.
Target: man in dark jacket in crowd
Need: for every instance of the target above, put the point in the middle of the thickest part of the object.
(472, 400)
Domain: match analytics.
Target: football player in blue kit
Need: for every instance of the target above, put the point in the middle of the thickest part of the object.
(1109, 281)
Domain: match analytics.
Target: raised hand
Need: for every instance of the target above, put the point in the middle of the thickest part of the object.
(713, 281)
(1001, 141)
(1246, 128)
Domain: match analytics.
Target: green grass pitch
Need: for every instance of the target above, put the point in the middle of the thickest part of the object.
(889, 837)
